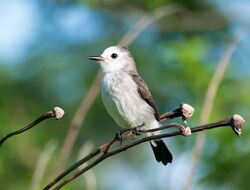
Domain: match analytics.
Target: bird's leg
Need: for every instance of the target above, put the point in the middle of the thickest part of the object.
(118, 137)
(121, 135)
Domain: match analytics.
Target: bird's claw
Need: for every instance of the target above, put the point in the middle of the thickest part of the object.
(121, 135)
(136, 131)
(118, 137)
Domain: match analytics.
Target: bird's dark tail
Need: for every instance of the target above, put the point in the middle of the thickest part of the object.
(161, 152)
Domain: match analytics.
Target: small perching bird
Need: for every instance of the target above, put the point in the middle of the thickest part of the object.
(127, 97)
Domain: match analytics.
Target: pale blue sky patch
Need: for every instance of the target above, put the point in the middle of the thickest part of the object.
(18, 23)
(79, 24)
(236, 11)
(25, 27)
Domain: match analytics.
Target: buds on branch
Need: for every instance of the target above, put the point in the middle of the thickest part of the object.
(184, 111)
(57, 113)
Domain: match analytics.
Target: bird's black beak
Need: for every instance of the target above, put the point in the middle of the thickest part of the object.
(96, 58)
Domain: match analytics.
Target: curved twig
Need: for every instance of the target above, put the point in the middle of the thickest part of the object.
(181, 111)
(236, 122)
(57, 113)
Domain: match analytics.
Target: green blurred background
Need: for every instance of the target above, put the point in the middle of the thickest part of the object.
(44, 46)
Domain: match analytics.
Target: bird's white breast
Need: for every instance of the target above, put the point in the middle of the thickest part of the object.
(123, 102)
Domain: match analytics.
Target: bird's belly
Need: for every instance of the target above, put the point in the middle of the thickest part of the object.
(124, 103)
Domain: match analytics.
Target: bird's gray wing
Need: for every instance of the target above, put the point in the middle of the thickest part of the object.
(144, 92)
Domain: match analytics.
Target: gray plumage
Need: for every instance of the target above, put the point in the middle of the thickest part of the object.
(143, 90)
(127, 97)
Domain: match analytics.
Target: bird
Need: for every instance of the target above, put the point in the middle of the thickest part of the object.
(127, 98)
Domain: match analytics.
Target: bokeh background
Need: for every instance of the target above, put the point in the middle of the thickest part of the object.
(44, 46)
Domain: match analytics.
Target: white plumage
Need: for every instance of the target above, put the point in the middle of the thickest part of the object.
(127, 98)
(123, 102)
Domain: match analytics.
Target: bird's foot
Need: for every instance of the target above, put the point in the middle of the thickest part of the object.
(119, 137)
(136, 130)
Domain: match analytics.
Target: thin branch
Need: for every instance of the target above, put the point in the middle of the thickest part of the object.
(209, 101)
(184, 110)
(57, 113)
(89, 177)
(88, 100)
(236, 123)
(73, 167)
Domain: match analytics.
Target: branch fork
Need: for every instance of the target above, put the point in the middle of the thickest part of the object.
(184, 111)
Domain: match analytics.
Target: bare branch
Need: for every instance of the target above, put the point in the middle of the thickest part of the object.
(89, 177)
(56, 113)
(178, 112)
(185, 111)
(235, 122)
(73, 167)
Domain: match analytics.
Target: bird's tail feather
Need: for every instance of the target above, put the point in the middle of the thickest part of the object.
(161, 152)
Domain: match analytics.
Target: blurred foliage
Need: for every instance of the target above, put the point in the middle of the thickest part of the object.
(176, 56)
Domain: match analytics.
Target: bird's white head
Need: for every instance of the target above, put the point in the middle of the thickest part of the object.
(115, 58)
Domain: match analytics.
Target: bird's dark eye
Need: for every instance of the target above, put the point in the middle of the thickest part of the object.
(114, 55)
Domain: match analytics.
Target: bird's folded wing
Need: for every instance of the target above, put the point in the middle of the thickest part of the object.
(144, 92)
